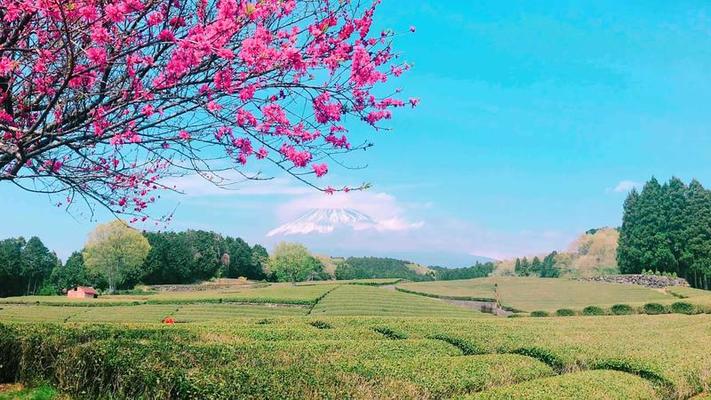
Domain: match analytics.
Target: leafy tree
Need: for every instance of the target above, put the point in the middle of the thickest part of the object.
(12, 281)
(207, 252)
(117, 252)
(522, 267)
(535, 268)
(292, 262)
(25, 266)
(517, 266)
(548, 266)
(260, 261)
(170, 259)
(100, 99)
(37, 264)
(240, 259)
(72, 273)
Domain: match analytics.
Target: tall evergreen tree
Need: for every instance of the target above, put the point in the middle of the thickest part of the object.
(535, 266)
(656, 252)
(629, 253)
(697, 252)
(668, 229)
(675, 218)
(37, 264)
(548, 267)
(11, 271)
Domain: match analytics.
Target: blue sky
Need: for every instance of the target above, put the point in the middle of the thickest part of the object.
(536, 118)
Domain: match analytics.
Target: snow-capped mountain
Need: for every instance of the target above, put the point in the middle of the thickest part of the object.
(325, 220)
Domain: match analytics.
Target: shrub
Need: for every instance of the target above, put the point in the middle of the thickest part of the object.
(467, 348)
(390, 333)
(9, 354)
(622, 309)
(682, 307)
(654, 309)
(565, 312)
(593, 310)
(320, 324)
(544, 355)
(540, 313)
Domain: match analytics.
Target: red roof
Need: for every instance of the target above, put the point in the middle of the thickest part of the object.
(86, 289)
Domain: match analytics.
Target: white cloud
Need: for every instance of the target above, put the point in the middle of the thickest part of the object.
(625, 186)
(397, 224)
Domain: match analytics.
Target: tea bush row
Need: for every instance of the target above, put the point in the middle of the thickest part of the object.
(175, 363)
(679, 307)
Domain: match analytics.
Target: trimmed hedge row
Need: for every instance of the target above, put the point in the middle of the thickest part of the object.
(169, 363)
(679, 307)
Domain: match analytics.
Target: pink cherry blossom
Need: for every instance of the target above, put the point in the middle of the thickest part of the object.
(320, 169)
(142, 87)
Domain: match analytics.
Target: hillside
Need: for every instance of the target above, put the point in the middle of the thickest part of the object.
(592, 254)
(381, 267)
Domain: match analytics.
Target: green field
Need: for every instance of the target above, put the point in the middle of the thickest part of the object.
(281, 293)
(530, 294)
(357, 300)
(354, 341)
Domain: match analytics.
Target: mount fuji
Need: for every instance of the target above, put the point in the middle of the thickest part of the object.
(325, 220)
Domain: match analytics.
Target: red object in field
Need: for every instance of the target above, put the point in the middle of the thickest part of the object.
(82, 292)
(168, 320)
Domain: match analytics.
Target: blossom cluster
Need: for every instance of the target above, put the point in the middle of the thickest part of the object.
(104, 98)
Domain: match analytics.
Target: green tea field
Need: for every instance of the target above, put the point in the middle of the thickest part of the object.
(358, 341)
(531, 294)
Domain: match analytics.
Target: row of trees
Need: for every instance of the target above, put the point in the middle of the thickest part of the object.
(383, 267)
(545, 269)
(24, 266)
(378, 267)
(478, 270)
(117, 256)
(667, 228)
(190, 256)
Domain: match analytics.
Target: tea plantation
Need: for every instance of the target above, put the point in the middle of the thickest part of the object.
(357, 341)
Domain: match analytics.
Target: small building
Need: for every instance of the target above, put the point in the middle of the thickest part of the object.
(82, 292)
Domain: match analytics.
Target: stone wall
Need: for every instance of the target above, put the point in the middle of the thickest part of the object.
(650, 281)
